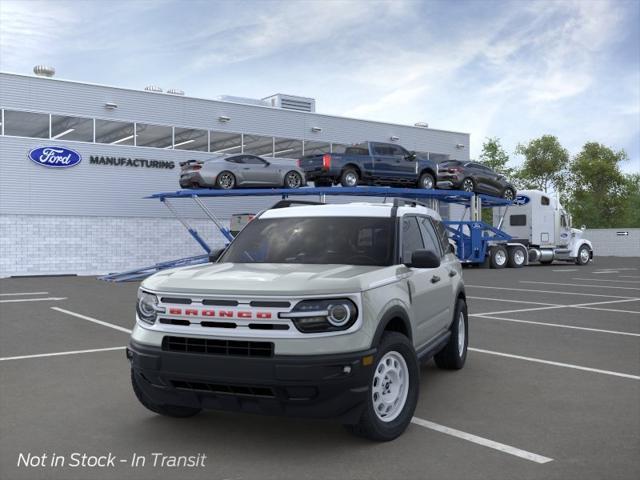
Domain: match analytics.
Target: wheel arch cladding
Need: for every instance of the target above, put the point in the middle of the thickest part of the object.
(395, 319)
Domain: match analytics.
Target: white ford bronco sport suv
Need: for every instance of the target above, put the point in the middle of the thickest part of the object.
(312, 310)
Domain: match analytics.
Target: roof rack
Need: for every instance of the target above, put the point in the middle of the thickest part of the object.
(292, 202)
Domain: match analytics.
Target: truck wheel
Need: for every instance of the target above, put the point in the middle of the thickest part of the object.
(426, 181)
(454, 354)
(167, 410)
(499, 257)
(349, 178)
(517, 257)
(584, 255)
(226, 180)
(393, 391)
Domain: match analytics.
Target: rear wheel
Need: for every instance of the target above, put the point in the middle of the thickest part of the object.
(167, 410)
(508, 194)
(499, 257)
(293, 179)
(226, 180)
(584, 255)
(517, 257)
(349, 178)
(454, 354)
(468, 185)
(393, 391)
(426, 181)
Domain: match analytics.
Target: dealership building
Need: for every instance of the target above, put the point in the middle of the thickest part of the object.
(91, 217)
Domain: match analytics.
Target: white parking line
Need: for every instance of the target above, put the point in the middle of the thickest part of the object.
(629, 276)
(57, 354)
(512, 301)
(588, 306)
(580, 285)
(528, 290)
(23, 293)
(485, 442)
(90, 319)
(607, 280)
(47, 299)
(556, 364)
(558, 325)
(567, 270)
(605, 272)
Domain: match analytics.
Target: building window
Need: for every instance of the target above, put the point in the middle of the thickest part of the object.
(71, 128)
(26, 124)
(157, 136)
(287, 148)
(316, 148)
(191, 139)
(115, 133)
(258, 145)
(225, 143)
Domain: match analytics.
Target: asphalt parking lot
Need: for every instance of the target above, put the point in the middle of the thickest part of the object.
(551, 390)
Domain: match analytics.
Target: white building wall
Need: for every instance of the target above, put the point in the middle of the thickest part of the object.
(613, 242)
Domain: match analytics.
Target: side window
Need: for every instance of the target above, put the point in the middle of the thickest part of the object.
(517, 220)
(253, 160)
(411, 238)
(442, 234)
(235, 159)
(397, 151)
(383, 149)
(544, 201)
(429, 235)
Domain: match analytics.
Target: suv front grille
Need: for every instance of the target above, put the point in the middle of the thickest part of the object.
(254, 391)
(237, 348)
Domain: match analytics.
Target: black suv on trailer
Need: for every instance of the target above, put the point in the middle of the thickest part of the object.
(474, 177)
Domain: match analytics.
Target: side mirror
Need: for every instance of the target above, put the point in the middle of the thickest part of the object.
(583, 227)
(214, 255)
(424, 259)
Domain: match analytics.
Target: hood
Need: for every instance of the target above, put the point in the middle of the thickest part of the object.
(268, 279)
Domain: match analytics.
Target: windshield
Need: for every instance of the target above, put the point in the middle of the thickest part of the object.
(318, 240)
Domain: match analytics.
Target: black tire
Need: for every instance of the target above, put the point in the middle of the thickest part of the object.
(347, 178)
(452, 356)
(509, 194)
(498, 257)
(517, 257)
(427, 181)
(166, 410)
(370, 425)
(292, 180)
(225, 180)
(468, 185)
(583, 258)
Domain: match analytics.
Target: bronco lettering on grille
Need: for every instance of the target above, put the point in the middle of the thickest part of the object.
(209, 313)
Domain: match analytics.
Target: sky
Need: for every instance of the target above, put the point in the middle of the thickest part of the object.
(509, 69)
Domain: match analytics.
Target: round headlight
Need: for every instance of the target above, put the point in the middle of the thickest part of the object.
(147, 307)
(339, 314)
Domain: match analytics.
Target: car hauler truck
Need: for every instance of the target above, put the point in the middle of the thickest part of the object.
(540, 226)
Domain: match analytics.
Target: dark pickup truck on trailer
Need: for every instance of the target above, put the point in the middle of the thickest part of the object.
(371, 163)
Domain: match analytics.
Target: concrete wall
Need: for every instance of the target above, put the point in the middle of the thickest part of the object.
(609, 242)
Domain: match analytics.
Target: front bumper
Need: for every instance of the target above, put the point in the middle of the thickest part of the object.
(319, 386)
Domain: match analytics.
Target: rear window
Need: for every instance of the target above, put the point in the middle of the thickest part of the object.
(317, 240)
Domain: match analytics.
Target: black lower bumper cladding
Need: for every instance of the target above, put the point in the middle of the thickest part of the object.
(319, 386)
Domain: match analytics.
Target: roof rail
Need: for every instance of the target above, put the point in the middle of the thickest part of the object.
(401, 202)
(290, 202)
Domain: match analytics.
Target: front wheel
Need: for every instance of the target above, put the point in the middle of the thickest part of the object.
(393, 391)
(508, 194)
(454, 354)
(293, 179)
(468, 185)
(584, 255)
(426, 181)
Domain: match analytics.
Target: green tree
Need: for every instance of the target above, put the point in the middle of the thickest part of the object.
(495, 157)
(630, 216)
(598, 192)
(545, 164)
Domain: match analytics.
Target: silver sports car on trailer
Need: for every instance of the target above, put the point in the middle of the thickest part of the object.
(233, 171)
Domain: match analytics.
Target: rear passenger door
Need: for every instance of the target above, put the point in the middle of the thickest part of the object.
(429, 297)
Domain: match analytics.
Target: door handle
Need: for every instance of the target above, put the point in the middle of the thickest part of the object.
(452, 273)
(435, 279)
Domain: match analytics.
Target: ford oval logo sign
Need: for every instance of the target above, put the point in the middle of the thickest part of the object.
(521, 200)
(55, 157)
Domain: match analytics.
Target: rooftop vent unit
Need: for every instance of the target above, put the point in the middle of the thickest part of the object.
(44, 71)
(421, 125)
(175, 91)
(153, 88)
(291, 102)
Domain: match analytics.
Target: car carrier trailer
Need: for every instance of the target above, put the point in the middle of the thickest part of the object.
(476, 242)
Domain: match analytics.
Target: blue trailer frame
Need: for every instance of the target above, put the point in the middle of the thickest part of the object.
(472, 246)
